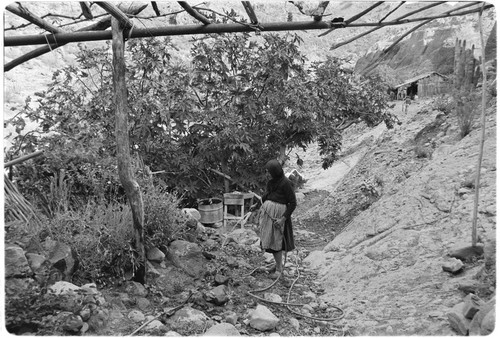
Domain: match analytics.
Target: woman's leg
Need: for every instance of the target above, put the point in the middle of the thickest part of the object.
(278, 258)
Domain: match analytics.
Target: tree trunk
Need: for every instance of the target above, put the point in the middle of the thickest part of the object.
(127, 179)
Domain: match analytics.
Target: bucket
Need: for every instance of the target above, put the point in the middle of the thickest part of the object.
(210, 210)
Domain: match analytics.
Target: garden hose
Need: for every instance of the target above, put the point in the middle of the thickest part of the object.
(287, 303)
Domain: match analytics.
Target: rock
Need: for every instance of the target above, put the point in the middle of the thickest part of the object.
(151, 272)
(263, 319)
(87, 311)
(136, 316)
(466, 252)
(63, 258)
(243, 236)
(217, 295)
(63, 288)
(72, 323)
(35, 261)
(142, 303)
(221, 279)
(16, 286)
(222, 329)
(231, 318)
(488, 323)
(472, 305)
(85, 328)
(193, 213)
(89, 289)
(98, 319)
(189, 316)
(294, 322)
(475, 326)
(155, 255)
(16, 264)
(453, 265)
(172, 334)
(136, 289)
(154, 325)
(184, 248)
(272, 297)
(457, 320)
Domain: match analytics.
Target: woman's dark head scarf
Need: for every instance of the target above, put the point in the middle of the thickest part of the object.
(274, 168)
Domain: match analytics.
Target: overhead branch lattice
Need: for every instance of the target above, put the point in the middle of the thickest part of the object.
(57, 37)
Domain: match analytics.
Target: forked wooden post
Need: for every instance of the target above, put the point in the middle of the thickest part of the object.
(127, 179)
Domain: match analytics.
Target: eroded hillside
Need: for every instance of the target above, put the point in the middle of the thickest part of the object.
(412, 194)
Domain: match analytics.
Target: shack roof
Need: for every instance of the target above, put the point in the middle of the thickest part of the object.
(420, 77)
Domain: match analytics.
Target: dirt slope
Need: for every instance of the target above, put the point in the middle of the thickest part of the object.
(407, 202)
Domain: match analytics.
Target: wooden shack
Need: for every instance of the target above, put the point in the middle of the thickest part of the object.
(423, 85)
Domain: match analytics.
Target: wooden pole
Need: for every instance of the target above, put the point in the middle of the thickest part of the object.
(483, 131)
(22, 159)
(132, 189)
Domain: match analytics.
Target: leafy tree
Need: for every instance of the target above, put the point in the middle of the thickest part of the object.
(241, 101)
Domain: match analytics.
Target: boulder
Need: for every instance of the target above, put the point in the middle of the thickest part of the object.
(453, 265)
(243, 236)
(189, 316)
(155, 255)
(222, 329)
(136, 316)
(63, 288)
(193, 213)
(98, 319)
(136, 289)
(35, 261)
(231, 317)
(217, 295)
(476, 323)
(488, 323)
(263, 319)
(457, 320)
(472, 305)
(221, 279)
(16, 264)
(294, 322)
(154, 325)
(63, 258)
(72, 323)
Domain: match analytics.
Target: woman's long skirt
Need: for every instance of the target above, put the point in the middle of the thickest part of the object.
(271, 237)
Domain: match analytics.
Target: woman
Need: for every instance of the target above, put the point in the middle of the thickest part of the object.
(275, 224)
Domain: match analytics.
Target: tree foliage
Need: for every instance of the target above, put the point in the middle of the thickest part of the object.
(241, 101)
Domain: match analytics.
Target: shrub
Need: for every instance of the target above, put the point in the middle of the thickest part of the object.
(102, 237)
(422, 152)
(443, 104)
(163, 220)
(465, 108)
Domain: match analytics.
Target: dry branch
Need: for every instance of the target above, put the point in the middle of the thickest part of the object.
(483, 131)
(87, 13)
(116, 13)
(250, 12)
(27, 15)
(194, 13)
(392, 11)
(356, 17)
(101, 25)
(10, 41)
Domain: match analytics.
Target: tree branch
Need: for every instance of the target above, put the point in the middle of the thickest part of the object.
(27, 15)
(194, 13)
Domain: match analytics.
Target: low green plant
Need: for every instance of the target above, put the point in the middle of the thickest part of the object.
(422, 152)
(443, 104)
(163, 220)
(465, 109)
(102, 237)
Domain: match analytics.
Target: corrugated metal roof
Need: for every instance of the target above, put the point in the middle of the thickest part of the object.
(420, 77)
